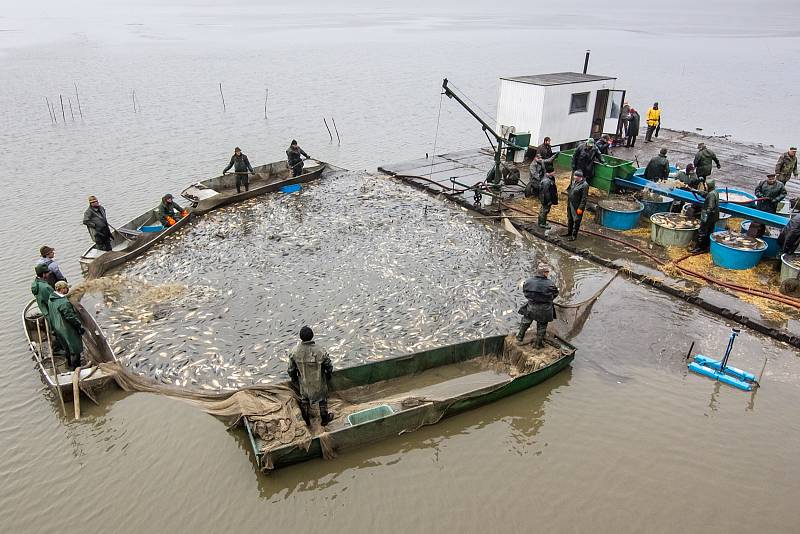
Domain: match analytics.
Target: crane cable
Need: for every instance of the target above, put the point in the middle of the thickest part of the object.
(436, 137)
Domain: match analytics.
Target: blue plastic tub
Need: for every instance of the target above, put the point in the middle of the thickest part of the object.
(151, 228)
(651, 207)
(770, 237)
(619, 220)
(291, 188)
(734, 258)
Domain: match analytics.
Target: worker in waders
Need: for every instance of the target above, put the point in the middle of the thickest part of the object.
(548, 197)
(540, 292)
(536, 174)
(787, 165)
(94, 218)
(169, 211)
(653, 122)
(42, 290)
(658, 167)
(241, 167)
(66, 324)
(585, 158)
(789, 237)
(310, 369)
(293, 156)
(708, 218)
(577, 193)
(703, 160)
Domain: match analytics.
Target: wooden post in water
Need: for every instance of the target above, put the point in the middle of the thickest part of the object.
(133, 100)
(223, 97)
(63, 115)
(70, 110)
(266, 97)
(329, 130)
(49, 111)
(337, 130)
(53, 109)
(80, 111)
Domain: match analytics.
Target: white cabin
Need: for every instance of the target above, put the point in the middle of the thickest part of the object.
(567, 107)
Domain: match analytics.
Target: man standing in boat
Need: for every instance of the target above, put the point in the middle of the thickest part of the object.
(540, 292)
(708, 218)
(170, 211)
(310, 369)
(658, 167)
(293, 155)
(47, 258)
(241, 167)
(95, 220)
(42, 290)
(67, 324)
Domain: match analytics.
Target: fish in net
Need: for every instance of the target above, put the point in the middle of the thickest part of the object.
(570, 318)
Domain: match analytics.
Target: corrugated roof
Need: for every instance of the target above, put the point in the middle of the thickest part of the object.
(557, 78)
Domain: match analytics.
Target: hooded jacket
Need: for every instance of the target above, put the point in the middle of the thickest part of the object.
(66, 322)
(311, 364)
(41, 292)
(169, 210)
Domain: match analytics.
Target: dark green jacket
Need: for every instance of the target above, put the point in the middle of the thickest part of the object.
(657, 169)
(577, 194)
(690, 179)
(41, 291)
(786, 166)
(710, 213)
(169, 210)
(703, 160)
(775, 193)
(66, 322)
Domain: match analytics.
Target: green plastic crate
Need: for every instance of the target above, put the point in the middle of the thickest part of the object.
(370, 414)
(603, 174)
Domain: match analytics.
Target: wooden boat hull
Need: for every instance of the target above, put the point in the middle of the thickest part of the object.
(92, 377)
(412, 418)
(214, 193)
(126, 249)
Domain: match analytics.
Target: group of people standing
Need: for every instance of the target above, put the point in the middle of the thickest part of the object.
(50, 289)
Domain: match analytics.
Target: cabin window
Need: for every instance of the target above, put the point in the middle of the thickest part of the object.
(579, 103)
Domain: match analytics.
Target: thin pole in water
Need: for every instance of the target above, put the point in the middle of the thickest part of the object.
(55, 117)
(223, 97)
(337, 130)
(80, 111)
(266, 97)
(49, 111)
(63, 115)
(133, 100)
(70, 109)
(329, 130)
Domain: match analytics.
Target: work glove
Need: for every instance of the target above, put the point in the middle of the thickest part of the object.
(718, 165)
(579, 212)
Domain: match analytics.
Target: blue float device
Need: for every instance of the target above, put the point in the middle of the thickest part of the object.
(291, 188)
(720, 370)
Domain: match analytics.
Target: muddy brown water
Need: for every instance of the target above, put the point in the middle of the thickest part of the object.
(623, 441)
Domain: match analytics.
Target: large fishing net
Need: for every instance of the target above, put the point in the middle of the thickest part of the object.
(570, 318)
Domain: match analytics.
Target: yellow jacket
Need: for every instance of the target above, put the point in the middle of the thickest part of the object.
(653, 117)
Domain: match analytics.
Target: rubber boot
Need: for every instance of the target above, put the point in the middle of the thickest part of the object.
(304, 408)
(523, 327)
(324, 414)
(541, 330)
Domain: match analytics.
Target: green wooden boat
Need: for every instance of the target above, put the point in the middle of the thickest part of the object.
(401, 394)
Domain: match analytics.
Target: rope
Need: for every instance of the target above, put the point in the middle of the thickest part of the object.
(436, 137)
(463, 94)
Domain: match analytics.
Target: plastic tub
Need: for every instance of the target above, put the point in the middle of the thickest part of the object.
(789, 271)
(604, 173)
(770, 237)
(151, 228)
(370, 414)
(672, 237)
(735, 258)
(294, 188)
(656, 206)
(619, 219)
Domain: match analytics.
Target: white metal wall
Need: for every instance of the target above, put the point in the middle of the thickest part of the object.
(561, 125)
(544, 110)
(520, 105)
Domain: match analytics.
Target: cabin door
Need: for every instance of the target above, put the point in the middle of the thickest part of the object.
(613, 116)
(600, 103)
